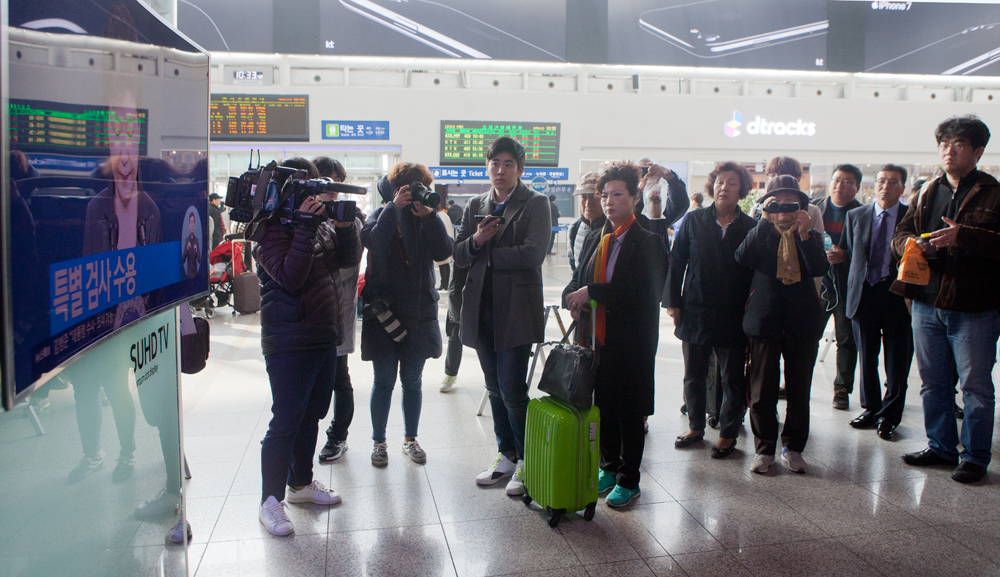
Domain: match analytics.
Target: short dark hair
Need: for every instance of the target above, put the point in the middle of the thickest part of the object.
(300, 163)
(894, 168)
(746, 182)
(552, 197)
(626, 173)
(784, 165)
(451, 202)
(191, 216)
(329, 167)
(409, 172)
(849, 169)
(968, 126)
(508, 145)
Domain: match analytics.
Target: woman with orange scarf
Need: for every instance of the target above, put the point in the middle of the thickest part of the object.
(624, 280)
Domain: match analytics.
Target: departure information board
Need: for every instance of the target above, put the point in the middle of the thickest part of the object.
(465, 142)
(71, 129)
(263, 117)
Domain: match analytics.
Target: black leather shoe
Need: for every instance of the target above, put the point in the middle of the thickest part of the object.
(685, 441)
(864, 421)
(720, 453)
(959, 412)
(885, 429)
(968, 472)
(926, 458)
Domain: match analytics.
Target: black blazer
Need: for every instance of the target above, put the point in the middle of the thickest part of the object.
(706, 283)
(624, 386)
(856, 243)
(774, 308)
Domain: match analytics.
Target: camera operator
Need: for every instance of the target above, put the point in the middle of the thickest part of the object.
(299, 262)
(400, 328)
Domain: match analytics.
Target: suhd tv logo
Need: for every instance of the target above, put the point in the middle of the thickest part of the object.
(732, 127)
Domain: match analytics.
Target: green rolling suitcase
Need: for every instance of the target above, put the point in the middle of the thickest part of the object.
(562, 455)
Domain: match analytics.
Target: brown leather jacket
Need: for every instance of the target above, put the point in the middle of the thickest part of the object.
(299, 271)
(971, 279)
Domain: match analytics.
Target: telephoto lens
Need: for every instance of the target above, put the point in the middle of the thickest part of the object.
(423, 195)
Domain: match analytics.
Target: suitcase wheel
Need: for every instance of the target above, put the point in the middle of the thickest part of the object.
(588, 514)
(713, 422)
(554, 519)
(526, 499)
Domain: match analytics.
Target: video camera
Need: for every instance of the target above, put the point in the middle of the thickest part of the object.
(262, 192)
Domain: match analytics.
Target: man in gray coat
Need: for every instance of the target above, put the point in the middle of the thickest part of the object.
(504, 238)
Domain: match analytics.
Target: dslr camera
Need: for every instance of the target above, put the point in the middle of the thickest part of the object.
(425, 196)
(262, 192)
(781, 207)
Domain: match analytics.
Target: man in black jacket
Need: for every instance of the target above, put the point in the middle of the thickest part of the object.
(586, 230)
(215, 214)
(876, 314)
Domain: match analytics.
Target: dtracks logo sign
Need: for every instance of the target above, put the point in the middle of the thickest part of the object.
(732, 127)
(762, 126)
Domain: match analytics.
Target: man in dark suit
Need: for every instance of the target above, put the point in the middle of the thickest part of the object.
(877, 315)
(502, 304)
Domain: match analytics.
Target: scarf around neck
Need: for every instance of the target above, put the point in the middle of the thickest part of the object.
(601, 270)
(788, 256)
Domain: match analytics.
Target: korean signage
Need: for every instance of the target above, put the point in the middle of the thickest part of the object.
(479, 173)
(355, 130)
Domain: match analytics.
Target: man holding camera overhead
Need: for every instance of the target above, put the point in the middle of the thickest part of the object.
(504, 239)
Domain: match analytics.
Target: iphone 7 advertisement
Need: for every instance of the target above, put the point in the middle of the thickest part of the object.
(883, 36)
(780, 34)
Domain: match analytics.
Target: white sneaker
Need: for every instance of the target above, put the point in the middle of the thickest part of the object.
(380, 454)
(315, 492)
(161, 504)
(500, 468)
(761, 463)
(515, 487)
(412, 450)
(793, 460)
(273, 517)
(448, 384)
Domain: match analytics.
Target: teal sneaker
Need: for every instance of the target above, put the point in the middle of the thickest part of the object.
(620, 496)
(605, 482)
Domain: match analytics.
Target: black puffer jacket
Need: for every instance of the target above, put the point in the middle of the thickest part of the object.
(402, 250)
(298, 268)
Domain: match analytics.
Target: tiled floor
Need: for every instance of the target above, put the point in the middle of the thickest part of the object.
(858, 511)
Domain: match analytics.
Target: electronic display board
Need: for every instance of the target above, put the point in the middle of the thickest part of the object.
(74, 129)
(464, 142)
(262, 117)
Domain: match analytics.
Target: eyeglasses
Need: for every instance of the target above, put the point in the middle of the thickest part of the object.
(890, 182)
(956, 146)
(846, 181)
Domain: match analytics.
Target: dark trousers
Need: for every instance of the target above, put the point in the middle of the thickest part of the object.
(734, 396)
(506, 374)
(453, 323)
(343, 403)
(763, 374)
(445, 271)
(622, 443)
(847, 350)
(882, 318)
(301, 387)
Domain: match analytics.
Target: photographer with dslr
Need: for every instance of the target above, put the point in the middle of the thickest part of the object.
(784, 320)
(299, 258)
(400, 328)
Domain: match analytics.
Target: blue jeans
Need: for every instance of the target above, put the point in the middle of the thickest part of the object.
(945, 341)
(301, 388)
(410, 372)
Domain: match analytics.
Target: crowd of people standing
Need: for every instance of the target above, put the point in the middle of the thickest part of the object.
(748, 291)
